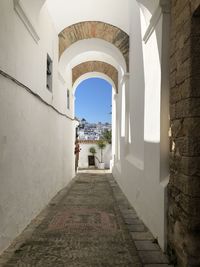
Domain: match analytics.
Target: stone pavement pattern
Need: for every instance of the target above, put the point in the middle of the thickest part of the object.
(89, 224)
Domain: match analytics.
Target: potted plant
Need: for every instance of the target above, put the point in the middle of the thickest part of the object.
(101, 145)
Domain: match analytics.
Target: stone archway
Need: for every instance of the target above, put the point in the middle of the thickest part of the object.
(95, 29)
(95, 66)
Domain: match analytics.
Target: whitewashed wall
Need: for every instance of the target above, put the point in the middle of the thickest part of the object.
(36, 143)
(84, 153)
(144, 146)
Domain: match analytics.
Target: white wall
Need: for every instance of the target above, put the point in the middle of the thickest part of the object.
(84, 153)
(65, 13)
(140, 172)
(36, 142)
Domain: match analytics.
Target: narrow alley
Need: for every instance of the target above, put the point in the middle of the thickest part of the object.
(89, 223)
(148, 52)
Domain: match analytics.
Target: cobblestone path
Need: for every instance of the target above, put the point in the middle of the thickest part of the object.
(83, 227)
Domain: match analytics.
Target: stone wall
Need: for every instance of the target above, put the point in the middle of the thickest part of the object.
(184, 186)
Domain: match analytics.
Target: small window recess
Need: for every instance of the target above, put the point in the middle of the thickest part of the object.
(49, 73)
(68, 99)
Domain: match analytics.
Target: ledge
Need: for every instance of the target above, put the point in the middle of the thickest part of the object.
(136, 162)
(61, 78)
(163, 8)
(152, 25)
(19, 9)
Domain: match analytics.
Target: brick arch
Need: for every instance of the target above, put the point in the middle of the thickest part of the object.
(95, 29)
(95, 66)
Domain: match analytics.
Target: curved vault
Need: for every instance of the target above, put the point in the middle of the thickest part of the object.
(95, 66)
(95, 29)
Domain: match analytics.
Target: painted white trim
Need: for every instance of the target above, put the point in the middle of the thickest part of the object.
(91, 75)
(126, 76)
(152, 25)
(163, 8)
(61, 78)
(19, 9)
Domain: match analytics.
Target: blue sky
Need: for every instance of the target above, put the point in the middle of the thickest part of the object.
(93, 100)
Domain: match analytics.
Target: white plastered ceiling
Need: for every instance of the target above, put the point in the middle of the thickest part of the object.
(89, 50)
(65, 13)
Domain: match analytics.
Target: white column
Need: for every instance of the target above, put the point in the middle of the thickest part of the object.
(114, 127)
(127, 111)
(72, 103)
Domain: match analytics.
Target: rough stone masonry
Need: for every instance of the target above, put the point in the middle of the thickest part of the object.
(184, 186)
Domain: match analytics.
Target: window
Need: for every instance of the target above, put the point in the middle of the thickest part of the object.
(49, 73)
(68, 99)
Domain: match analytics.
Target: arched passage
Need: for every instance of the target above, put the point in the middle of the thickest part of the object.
(95, 29)
(95, 66)
(93, 98)
(148, 83)
(91, 50)
(92, 75)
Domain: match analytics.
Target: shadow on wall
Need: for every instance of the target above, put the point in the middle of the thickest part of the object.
(146, 189)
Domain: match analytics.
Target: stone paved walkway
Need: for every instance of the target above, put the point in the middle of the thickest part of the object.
(89, 224)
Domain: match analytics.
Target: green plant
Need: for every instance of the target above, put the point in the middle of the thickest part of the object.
(101, 145)
(92, 150)
(107, 136)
